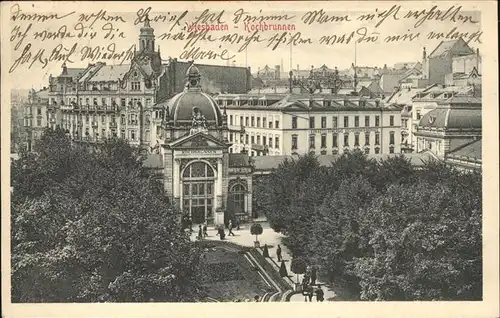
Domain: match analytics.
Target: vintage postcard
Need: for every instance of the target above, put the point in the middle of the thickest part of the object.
(203, 158)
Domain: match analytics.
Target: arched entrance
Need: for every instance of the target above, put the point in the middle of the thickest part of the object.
(237, 203)
(198, 182)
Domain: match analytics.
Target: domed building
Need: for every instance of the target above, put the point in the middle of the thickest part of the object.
(454, 124)
(200, 175)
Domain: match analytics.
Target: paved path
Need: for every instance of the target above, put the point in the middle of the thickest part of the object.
(272, 239)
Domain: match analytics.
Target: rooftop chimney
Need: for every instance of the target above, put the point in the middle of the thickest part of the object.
(424, 54)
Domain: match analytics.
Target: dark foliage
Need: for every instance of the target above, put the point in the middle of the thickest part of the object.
(88, 227)
(388, 230)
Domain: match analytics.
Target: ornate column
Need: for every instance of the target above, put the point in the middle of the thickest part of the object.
(176, 180)
(219, 212)
(218, 184)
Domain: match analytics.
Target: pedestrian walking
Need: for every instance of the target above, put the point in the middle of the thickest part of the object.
(310, 293)
(222, 234)
(314, 273)
(190, 223)
(230, 227)
(307, 277)
(205, 228)
(320, 294)
(278, 253)
(200, 232)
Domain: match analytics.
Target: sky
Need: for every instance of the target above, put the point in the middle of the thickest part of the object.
(370, 51)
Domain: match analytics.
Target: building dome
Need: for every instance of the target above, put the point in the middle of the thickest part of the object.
(183, 106)
(446, 118)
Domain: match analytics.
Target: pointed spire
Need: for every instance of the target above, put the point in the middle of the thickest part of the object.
(146, 21)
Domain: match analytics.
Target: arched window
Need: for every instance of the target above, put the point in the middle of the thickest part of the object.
(236, 202)
(198, 180)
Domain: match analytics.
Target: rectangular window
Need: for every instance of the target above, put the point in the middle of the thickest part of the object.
(391, 121)
(123, 102)
(231, 137)
(103, 101)
(253, 122)
(264, 122)
(356, 121)
(294, 142)
(356, 139)
(294, 122)
(391, 149)
(367, 151)
(148, 101)
(367, 138)
(258, 122)
(39, 122)
(277, 124)
(122, 134)
(132, 134)
(271, 124)
(311, 123)
(377, 139)
(323, 141)
(367, 121)
(246, 139)
(258, 140)
(346, 121)
(377, 121)
(230, 119)
(323, 122)
(136, 86)
(391, 138)
(277, 142)
(86, 101)
(246, 121)
(103, 119)
(346, 140)
(418, 114)
(335, 141)
(312, 138)
(335, 122)
(38, 111)
(253, 139)
(241, 120)
(377, 150)
(270, 142)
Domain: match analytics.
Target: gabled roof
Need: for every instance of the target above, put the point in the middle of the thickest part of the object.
(197, 140)
(469, 150)
(446, 46)
(109, 73)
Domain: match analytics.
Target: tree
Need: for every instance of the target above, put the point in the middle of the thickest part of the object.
(256, 229)
(427, 250)
(98, 230)
(298, 266)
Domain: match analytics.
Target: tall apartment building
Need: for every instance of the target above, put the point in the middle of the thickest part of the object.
(286, 124)
(103, 101)
(35, 116)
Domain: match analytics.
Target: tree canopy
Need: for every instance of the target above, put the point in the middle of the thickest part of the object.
(388, 230)
(89, 226)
